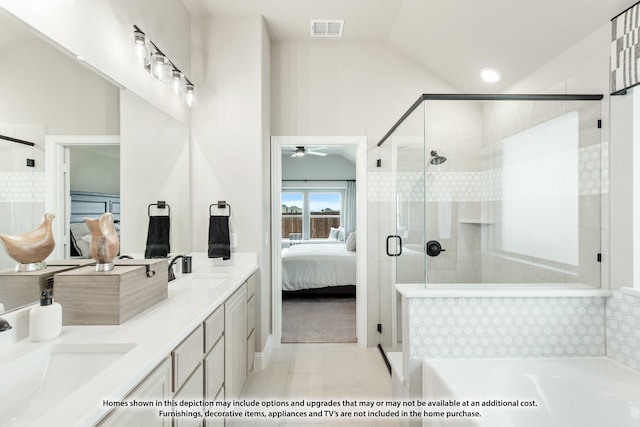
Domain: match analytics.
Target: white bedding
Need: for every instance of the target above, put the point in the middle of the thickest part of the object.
(317, 266)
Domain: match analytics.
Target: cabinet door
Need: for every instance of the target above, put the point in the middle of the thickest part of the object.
(235, 345)
(156, 386)
(192, 390)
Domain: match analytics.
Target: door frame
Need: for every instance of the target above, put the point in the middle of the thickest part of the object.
(57, 191)
(360, 142)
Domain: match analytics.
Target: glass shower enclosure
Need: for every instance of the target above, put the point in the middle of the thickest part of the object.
(495, 191)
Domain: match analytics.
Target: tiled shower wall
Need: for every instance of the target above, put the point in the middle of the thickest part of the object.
(22, 192)
(457, 327)
(466, 327)
(623, 329)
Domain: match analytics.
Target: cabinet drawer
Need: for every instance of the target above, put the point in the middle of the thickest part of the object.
(251, 286)
(251, 315)
(191, 390)
(186, 357)
(214, 370)
(251, 346)
(213, 328)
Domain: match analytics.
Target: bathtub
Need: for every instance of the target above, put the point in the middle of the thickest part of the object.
(580, 392)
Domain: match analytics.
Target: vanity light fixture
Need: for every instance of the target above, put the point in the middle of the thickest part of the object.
(161, 67)
(189, 93)
(140, 47)
(490, 75)
(176, 81)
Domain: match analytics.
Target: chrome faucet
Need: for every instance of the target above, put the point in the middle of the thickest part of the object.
(186, 266)
(4, 325)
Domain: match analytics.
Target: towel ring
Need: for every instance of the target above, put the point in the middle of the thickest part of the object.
(160, 205)
(220, 205)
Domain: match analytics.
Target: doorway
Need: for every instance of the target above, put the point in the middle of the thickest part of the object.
(314, 223)
(58, 182)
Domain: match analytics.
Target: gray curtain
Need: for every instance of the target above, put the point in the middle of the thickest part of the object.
(350, 208)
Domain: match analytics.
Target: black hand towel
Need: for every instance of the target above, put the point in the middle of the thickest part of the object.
(158, 237)
(219, 243)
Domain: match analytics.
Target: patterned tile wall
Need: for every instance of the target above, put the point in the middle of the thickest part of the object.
(20, 187)
(487, 185)
(506, 327)
(623, 329)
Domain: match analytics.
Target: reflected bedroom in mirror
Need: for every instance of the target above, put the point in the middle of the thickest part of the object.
(80, 108)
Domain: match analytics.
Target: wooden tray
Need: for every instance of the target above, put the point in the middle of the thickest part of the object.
(23, 288)
(113, 297)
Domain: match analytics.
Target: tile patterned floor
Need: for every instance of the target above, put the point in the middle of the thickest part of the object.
(321, 371)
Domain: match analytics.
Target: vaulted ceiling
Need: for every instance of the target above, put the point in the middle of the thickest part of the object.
(452, 39)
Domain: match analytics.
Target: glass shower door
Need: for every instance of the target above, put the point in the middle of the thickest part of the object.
(405, 243)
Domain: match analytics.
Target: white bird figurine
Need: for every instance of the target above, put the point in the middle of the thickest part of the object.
(105, 244)
(31, 248)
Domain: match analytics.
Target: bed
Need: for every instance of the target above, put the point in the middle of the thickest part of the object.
(315, 266)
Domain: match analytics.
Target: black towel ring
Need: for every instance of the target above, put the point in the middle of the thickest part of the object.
(220, 205)
(160, 205)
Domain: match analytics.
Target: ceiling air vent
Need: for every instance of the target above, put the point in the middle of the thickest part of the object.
(326, 27)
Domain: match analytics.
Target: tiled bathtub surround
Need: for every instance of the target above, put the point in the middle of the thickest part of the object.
(475, 327)
(623, 329)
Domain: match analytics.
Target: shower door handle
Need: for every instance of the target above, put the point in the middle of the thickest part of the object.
(399, 240)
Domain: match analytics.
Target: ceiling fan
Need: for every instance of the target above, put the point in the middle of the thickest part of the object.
(301, 151)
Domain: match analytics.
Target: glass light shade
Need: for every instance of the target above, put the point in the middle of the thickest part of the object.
(140, 48)
(160, 66)
(189, 95)
(176, 81)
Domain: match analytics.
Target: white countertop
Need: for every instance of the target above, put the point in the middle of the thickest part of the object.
(155, 333)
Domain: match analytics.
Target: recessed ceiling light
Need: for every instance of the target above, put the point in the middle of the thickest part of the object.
(490, 75)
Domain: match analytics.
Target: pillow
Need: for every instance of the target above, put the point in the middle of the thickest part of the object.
(341, 234)
(81, 238)
(351, 242)
(333, 233)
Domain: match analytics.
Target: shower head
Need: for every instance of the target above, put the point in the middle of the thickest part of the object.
(437, 160)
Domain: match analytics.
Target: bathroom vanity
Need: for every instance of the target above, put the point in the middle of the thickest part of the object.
(197, 345)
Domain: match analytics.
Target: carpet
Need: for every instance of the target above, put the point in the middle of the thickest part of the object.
(319, 320)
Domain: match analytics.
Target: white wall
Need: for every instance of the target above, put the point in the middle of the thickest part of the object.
(100, 31)
(316, 167)
(95, 169)
(230, 144)
(154, 153)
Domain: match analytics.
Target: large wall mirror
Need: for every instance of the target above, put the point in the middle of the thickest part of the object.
(124, 160)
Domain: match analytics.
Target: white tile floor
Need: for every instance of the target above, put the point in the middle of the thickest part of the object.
(321, 371)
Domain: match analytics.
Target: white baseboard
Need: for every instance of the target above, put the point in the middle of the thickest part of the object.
(261, 359)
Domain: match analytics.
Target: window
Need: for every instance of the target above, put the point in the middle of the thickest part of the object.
(539, 210)
(324, 214)
(311, 213)
(292, 208)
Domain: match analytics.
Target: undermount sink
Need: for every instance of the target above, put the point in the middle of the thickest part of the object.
(38, 381)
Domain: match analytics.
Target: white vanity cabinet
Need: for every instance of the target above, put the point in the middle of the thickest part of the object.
(212, 363)
(157, 385)
(235, 345)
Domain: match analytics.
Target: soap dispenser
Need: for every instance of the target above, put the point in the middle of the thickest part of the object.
(45, 320)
